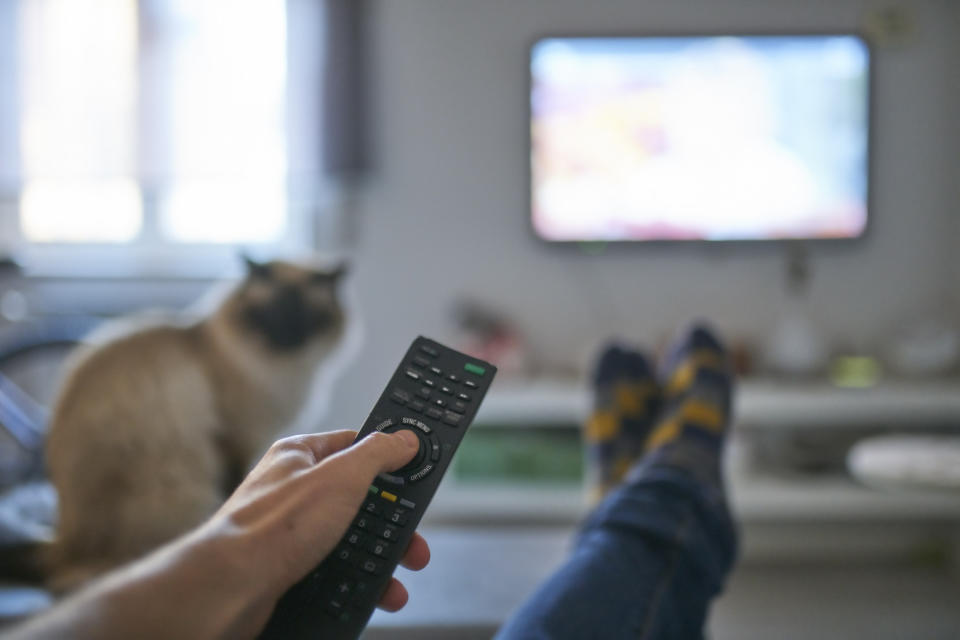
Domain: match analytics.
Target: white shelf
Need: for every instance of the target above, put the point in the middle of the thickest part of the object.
(758, 404)
(754, 499)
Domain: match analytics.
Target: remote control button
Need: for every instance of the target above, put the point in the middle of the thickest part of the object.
(360, 590)
(451, 418)
(372, 566)
(459, 406)
(373, 508)
(343, 590)
(440, 402)
(407, 503)
(427, 349)
(474, 369)
(364, 523)
(400, 396)
(386, 424)
(419, 425)
(335, 609)
(416, 461)
(420, 361)
(417, 406)
(398, 517)
(392, 479)
(354, 538)
(386, 495)
(422, 430)
(378, 548)
(413, 375)
(374, 489)
(447, 390)
(471, 384)
(453, 377)
(463, 396)
(422, 473)
(434, 413)
(427, 382)
(436, 371)
(347, 555)
(423, 392)
(388, 532)
(435, 451)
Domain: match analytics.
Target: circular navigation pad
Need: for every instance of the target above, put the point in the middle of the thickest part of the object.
(417, 461)
(427, 456)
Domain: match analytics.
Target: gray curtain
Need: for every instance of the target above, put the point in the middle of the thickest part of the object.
(346, 138)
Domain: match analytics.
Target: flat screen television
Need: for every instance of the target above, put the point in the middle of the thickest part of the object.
(715, 137)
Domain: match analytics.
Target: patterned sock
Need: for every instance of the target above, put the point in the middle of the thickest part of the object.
(697, 382)
(626, 401)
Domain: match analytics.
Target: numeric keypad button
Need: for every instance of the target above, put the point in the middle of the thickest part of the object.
(388, 532)
(378, 548)
(354, 538)
(372, 566)
(398, 517)
(347, 555)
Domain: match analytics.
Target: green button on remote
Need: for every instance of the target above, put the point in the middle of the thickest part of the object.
(475, 369)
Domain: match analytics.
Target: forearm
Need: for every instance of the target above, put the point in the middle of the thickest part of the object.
(224, 579)
(187, 589)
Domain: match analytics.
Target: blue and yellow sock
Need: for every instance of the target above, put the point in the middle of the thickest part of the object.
(697, 382)
(626, 402)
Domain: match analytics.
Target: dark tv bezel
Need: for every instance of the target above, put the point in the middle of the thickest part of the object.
(732, 242)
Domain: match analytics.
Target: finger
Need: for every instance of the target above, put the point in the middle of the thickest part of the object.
(376, 453)
(316, 445)
(395, 597)
(417, 554)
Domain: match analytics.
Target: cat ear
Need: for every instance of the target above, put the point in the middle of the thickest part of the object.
(331, 276)
(255, 269)
(339, 271)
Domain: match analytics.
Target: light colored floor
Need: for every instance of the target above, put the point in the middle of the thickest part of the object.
(849, 603)
(477, 576)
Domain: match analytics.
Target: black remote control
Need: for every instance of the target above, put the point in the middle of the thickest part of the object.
(435, 392)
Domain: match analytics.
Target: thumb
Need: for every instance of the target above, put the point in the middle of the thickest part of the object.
(379, 452)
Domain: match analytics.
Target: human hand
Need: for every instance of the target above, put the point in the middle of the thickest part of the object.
(297, 503)
(223, 579)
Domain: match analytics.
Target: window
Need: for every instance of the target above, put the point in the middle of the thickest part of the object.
(155, 136)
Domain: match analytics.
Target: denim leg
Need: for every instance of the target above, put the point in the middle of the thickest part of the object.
(647, 562)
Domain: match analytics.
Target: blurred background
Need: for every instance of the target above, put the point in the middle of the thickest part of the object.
(145, 143)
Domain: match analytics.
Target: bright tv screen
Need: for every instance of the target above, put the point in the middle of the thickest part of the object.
(699, 138)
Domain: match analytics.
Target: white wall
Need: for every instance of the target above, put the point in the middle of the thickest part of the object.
(446, 213)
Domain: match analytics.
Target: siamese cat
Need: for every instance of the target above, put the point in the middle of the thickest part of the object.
(152, 430)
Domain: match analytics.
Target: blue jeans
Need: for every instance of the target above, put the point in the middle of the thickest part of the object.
(648, 560)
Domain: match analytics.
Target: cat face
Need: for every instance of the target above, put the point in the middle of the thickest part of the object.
(290, 305)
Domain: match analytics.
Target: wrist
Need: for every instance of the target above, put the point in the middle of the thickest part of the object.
(195, 587)
(219, 563)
